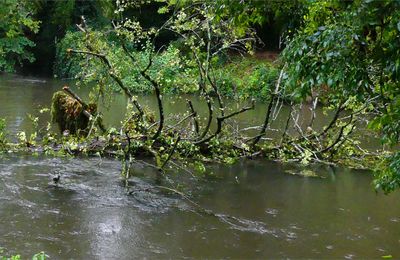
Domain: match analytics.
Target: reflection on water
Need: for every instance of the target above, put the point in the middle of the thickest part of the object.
(20, 96)
(259, 212)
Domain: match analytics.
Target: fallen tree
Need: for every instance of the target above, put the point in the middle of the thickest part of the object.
(193, 140)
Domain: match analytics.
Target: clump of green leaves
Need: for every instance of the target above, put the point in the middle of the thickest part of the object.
(38, 256)
(388, 173)
(16, 19)
(246, 77)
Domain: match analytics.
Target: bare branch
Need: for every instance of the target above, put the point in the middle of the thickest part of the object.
(221, 119)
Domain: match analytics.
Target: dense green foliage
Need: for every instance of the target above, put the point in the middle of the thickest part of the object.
(172, 70)
(351, 51)
(246, 78)
(16, 23)
(174, 67)
(388, 175)
(238, 77)
(287, 15)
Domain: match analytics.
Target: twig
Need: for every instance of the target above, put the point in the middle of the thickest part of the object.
(171, 153)
(179, 122)
(221, 119)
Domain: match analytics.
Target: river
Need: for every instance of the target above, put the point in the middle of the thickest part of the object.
(259, 209)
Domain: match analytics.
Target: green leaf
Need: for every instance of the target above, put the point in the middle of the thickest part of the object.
(163, 10)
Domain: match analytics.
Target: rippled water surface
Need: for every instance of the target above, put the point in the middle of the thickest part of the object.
(258, 209)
